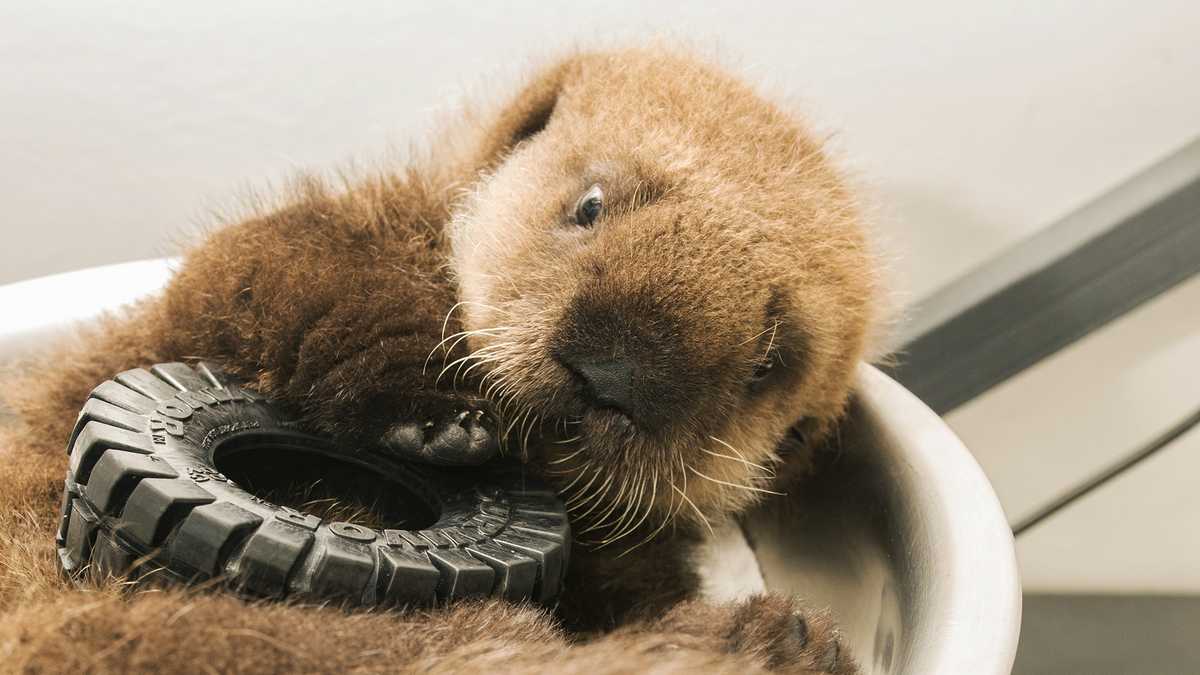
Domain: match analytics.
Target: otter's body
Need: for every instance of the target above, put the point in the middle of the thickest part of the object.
(636, 275)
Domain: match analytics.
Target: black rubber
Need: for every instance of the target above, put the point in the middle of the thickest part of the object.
(143, 497)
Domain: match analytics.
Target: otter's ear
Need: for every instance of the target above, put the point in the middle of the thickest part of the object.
(528, 113)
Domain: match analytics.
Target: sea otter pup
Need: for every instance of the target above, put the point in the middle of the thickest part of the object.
(636, 275)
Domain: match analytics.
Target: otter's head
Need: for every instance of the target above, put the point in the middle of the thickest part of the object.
(660, 277)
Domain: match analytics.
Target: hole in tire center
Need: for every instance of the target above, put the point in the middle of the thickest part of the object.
(324, 486)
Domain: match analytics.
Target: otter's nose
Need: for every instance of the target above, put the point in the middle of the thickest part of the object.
(607, 382)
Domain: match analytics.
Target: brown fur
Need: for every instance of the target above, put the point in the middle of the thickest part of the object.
(724, 224)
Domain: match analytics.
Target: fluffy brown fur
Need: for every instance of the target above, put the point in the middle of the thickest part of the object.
(727, 269)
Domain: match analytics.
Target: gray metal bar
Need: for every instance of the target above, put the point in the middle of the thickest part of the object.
(1125, 633)
(1074, 494)
(1052, 289)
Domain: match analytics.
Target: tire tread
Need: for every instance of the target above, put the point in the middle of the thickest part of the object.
(126, 503)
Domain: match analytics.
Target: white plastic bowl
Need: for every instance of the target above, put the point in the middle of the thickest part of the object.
(902, 536)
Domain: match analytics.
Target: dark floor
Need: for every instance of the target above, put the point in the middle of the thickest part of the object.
(1103, 635)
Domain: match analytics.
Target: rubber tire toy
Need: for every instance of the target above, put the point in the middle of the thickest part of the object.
(143, 497)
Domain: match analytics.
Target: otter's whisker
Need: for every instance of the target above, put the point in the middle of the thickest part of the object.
(633, 527)
(636, 497)
(726, 483)
(504, 391)
(485, 306)
(703, 518)
(525, 438)
(600, 491)
(567, 458)
(520, 391)
(769, 473)
(683, 493)
(460, 303)
(633, 503)
(624, 514)
(649, 507)
(479, 361)
(771, 341)
(446, 321)
(566, 440)
(728, 445)
(585, 493)
(583, 490)
(758, 334)
(457, 337)
(602, 519)
(509, 427)
(668, 517)
(461, 334)
(457, 361)
(522, 419)
(499, 381)
(500, 345)
(582, 471)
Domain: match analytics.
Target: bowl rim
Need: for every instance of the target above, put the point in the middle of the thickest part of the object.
(973, 622)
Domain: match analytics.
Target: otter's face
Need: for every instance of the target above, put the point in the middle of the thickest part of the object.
(647, 317)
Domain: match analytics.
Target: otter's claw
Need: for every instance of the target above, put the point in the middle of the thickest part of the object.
(459, 436)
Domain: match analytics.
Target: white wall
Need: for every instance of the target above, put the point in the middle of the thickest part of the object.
(122, 125)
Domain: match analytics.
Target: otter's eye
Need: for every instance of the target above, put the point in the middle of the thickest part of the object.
(590, 206)
(763, 369)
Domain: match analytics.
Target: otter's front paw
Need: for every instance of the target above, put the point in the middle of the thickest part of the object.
(451, 432)
(788, 637)
(772, 629)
